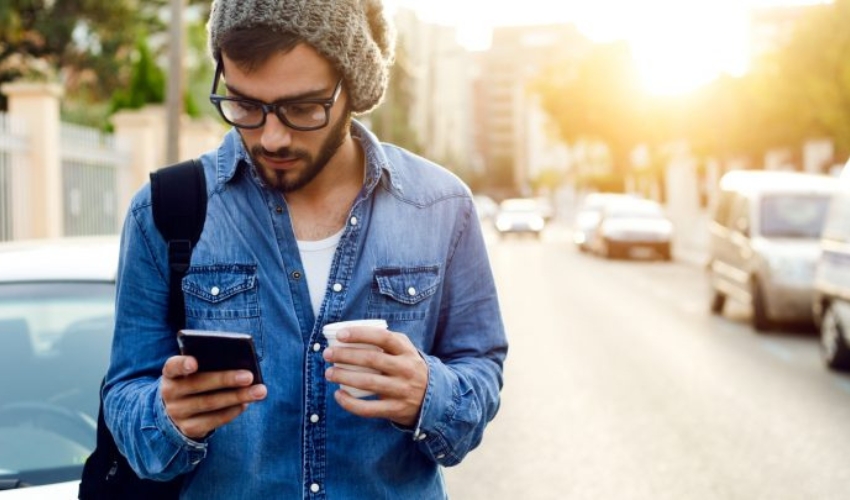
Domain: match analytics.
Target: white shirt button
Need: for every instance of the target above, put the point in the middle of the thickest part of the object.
(316, 347)
(422, 436)
(441, 455)
(337, 287)
(215, 291)
(314, 488)
(314, 418)
(353, 221)
(411, 291)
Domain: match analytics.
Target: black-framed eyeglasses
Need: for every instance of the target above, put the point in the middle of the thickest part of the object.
(298, 114)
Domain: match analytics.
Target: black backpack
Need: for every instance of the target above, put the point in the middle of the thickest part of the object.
(179, 204)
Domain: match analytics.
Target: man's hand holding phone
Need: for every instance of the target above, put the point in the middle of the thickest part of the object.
(211, 383)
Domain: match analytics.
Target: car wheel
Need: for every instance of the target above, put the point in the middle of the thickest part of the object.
(760, 320)
(833, 345)
(718, 301)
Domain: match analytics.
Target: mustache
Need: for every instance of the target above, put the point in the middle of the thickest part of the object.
(280, 154)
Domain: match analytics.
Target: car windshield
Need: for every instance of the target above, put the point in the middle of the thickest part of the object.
(56, 339)
(635, 211)
(520, 206)
(793, 215)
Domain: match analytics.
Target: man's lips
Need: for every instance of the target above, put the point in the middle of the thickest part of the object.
(278, 162)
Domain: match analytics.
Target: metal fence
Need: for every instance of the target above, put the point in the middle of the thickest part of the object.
(12, 147)
(90, 174)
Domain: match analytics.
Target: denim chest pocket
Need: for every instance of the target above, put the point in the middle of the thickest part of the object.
(223, 297)
(403, 294)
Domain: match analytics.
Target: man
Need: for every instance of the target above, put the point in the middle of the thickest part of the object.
(310, 221)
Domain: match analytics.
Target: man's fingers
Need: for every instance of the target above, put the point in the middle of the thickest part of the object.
(179, 366)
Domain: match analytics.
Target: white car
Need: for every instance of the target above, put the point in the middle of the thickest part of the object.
(520, 215)
(764, 243)
(56, 322)
(633, 227)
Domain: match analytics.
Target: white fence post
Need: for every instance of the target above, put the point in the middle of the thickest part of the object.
(37, 105)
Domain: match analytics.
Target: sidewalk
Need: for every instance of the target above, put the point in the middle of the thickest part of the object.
(690, 241)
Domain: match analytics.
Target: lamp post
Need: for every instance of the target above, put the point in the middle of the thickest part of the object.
(174, 87)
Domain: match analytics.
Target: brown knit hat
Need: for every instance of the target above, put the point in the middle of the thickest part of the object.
(353, 34)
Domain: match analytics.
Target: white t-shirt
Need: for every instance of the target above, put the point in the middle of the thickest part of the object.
(317, 257)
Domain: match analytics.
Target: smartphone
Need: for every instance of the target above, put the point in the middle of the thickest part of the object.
(217, 351)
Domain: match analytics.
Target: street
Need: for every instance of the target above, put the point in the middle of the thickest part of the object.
(620, 384)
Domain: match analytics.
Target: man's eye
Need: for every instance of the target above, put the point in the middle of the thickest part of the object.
(305, 110)
(247, 107)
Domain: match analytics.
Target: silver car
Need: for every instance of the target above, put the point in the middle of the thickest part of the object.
(764, 242)
(56, 322)
(831, 302)
(633, 227)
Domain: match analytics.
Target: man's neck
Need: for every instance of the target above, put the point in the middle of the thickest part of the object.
(321, 208)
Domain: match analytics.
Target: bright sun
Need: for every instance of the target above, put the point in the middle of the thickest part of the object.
(678, 45)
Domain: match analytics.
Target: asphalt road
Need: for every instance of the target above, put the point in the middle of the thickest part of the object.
(620, 385)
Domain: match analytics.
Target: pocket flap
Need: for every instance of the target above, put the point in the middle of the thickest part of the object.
(218, 283)
(408, 285)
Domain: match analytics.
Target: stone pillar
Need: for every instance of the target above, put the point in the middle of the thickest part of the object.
(142, 133)
(199, 136)
(36, 105)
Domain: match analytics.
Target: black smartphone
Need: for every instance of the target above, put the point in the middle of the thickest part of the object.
(217, 351)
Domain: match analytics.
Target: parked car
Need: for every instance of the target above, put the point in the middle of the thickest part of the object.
(631, 227)
(588, 214)
(764, 241)
(520, 215)
(831, 302)
(56, 321)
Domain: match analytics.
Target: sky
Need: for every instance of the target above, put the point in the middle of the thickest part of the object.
(678, 45)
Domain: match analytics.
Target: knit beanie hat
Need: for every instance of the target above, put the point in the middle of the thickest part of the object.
(353, 34)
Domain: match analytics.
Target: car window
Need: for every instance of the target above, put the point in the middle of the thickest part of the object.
(793, 215)
(56, 340)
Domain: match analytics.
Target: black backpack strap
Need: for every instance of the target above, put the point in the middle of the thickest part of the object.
(179, 197)
(179, 200)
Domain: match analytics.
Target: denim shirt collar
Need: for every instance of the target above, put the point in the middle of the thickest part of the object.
(233, 155)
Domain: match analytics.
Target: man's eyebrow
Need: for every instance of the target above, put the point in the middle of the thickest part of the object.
(312, 94)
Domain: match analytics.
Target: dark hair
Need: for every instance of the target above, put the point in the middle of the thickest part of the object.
(249, 48)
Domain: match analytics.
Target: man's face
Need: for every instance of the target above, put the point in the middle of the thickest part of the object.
(289, 159)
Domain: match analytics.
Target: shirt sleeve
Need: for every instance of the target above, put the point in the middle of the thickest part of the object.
(465, 367)
(142, 342)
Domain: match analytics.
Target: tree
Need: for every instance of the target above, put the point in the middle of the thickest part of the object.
(88, 45)
(601, 99)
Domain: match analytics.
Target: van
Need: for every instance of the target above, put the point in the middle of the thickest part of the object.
(764, 242)
(831, 303)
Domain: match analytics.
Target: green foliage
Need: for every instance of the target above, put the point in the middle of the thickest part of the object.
(147, 82)
(92, 44)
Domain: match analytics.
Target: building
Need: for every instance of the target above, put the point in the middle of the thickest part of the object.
(512, 131)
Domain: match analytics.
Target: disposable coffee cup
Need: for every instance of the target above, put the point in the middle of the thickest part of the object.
(330, 331)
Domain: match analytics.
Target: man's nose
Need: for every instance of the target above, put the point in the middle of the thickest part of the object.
(276, 135)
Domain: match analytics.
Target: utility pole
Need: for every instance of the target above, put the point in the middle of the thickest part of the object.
(174, 87)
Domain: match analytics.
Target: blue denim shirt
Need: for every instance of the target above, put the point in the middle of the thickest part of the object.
(411, 253)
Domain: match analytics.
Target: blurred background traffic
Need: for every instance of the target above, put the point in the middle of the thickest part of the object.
(660, 186)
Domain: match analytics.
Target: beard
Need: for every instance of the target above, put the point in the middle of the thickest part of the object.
(289, 181)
